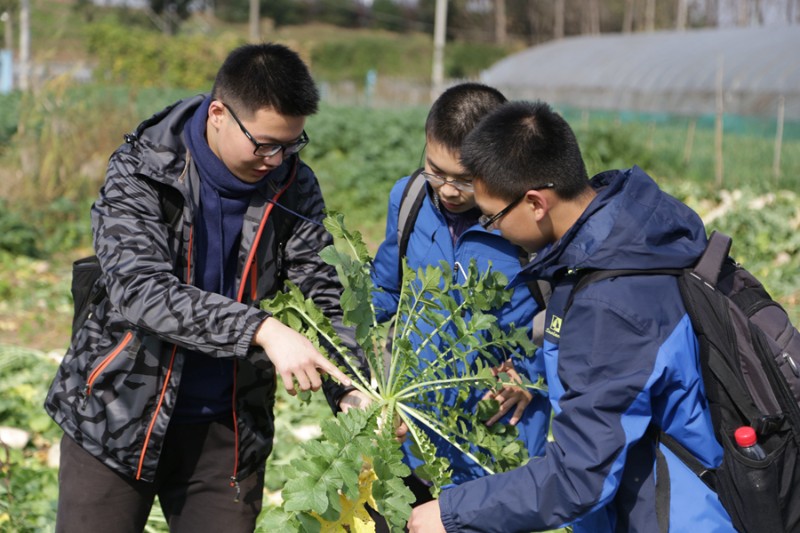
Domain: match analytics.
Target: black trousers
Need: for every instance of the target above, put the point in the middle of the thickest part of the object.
(192, 484)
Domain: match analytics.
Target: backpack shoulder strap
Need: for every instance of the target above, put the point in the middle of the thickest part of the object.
(540, 291)
(410, 204)
(586, 277)
(709, 265)
(707, 268)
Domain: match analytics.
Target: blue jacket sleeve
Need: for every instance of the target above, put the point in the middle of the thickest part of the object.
(385, 269)
(602, 368)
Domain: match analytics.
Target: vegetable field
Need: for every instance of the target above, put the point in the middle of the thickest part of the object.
(357, 153)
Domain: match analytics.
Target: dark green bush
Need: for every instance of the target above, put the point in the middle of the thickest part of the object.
(607, 146)
(389, 54)
(17, 236)
(358, 154)
(467, 60)
(9, 116)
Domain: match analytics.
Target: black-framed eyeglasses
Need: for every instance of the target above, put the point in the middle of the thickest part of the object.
(270, 149)
(437, 181)
(487, 221)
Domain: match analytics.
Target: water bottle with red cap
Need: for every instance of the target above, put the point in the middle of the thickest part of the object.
(745, 437)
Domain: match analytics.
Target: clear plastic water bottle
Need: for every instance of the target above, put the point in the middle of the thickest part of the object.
(748, 443)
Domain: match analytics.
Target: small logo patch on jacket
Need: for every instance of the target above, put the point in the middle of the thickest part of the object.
(554, 328)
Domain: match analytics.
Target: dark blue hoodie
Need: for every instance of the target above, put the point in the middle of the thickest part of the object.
(625, 356)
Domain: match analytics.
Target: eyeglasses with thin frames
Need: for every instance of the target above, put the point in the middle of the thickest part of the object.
(487, 221)
(270, 149)
(437, 181)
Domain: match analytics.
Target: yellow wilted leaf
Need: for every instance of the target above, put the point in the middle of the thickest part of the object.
(354, 516)
(362, 527)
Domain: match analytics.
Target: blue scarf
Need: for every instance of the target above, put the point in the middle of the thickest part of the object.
(207, 383)
(224, 199)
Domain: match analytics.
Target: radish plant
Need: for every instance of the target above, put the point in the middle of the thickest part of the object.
(358, 458)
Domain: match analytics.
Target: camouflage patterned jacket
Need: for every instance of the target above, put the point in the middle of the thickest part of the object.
(116, 388)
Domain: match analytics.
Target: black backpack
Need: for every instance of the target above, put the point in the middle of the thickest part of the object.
(86, 291)
(750, 361)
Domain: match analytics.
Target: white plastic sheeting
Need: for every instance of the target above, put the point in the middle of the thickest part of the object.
(673, 72)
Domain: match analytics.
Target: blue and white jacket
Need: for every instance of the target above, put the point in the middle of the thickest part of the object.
(429, 243)
(623, 357)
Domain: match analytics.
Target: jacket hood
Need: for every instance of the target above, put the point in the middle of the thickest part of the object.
(158, 141)
(630, 224)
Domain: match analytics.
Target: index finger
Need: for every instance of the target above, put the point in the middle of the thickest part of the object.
(333, 371)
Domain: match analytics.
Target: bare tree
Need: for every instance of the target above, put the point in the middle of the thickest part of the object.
(594, 17)
(681, 15)
(558, 19)
(590, 17)
(650, 15)
(500, 31)
(255, 21)
(756, 13)
(712, 13)
(8, 30)
(627, 18)
(24, 44)
(439, 32)
(743, 13)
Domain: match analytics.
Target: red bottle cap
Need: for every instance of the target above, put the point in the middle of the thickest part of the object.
(745, 436)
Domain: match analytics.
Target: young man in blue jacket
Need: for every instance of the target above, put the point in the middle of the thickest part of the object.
(621, 361)
(446, 229)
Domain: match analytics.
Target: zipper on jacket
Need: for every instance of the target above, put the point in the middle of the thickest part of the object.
(169, 368)
(250, 271)
(235, 476)
(235, 485)
(155, 413)
(188, 278)
(458, 268)
(87, 388)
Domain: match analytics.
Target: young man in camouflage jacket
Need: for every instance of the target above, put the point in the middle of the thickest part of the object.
(168, 387)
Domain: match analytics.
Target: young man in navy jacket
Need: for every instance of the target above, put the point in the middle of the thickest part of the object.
(621, 361)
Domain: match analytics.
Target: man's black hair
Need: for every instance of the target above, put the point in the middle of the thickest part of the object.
(524, 145)
(268, 75)
(457, 110)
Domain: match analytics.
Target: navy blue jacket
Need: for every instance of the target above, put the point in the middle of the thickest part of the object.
(429, 243)
(624, 356)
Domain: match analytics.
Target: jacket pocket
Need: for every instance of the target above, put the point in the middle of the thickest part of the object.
(102, 367)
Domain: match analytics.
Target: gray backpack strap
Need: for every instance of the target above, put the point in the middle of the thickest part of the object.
(543, 289)
(540, 291)
(537, 334)
(410, 204)
(709, 265)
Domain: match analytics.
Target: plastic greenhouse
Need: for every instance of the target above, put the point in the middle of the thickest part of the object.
(756, 68)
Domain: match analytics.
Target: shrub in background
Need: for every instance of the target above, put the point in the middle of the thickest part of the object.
(468, 60)
(17, 237)
(142, 58)
(55, 160)
(9, 116)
